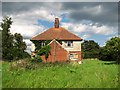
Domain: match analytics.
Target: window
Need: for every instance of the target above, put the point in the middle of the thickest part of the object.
(43, 43)
(73, 56)
(68, 43)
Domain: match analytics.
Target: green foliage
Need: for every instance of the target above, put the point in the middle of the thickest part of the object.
(7, 39)
(0, 45)
(43, 50)
(90, 49)
(19, 46)
(22, 64)
(38, 43)
(26, 55)
(111, 52)
(36, 59)
(90, 74)
(12, 45)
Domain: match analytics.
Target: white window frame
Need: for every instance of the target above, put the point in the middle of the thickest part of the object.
(71, 56)
(67, 43)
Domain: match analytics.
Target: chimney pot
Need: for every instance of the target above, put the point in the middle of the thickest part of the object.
(56, 23)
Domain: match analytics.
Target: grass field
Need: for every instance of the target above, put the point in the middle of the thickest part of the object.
(90, 74)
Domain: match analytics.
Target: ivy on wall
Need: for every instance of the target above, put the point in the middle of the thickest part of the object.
(39, 42)
(43, 50)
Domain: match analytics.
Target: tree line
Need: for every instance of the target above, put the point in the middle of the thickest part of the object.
(109, 52)
(13, 46)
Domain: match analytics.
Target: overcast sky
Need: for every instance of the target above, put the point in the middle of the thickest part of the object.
(96, 21)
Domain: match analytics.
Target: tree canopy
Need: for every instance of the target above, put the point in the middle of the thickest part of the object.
(13, 46)
(90, 49)
(111, 51)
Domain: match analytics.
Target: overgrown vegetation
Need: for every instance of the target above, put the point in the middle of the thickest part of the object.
(27, 64)
(36, 59)
(43, 50)
(22, 64)
(90, 74)
(13, 46)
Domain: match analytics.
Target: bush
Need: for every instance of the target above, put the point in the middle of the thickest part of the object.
(36, 59)
(24, 64)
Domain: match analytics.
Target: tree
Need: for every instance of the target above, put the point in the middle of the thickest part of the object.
(0, 45)
(111, 52)
(90, 49)
(7, 39)
(19, 46)
(13, 46)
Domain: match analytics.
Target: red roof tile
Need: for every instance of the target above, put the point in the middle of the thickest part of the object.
(59, 33)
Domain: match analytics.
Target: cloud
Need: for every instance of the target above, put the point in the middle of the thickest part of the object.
(105, 13)
(25, 17)
(101, 12)
(90, 29)
(27, 31)
(28, 44)
(27, 41)
(86, 19)
(28, 49)
(32, 10)
(86, 36)
(0, 12)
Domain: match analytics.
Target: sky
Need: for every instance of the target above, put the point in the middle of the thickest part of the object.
(96, 21)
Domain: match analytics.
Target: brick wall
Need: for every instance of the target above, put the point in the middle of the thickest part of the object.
(60, 53)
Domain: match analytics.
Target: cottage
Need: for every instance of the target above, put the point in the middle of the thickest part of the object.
(70, 48)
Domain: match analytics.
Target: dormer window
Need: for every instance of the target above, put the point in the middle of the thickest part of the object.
(43, 43)
(68, 43)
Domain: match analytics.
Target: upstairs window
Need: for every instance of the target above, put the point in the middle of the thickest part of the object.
(68, 43)
(43, 43)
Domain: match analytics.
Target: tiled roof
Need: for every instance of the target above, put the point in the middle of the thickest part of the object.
(59, 33)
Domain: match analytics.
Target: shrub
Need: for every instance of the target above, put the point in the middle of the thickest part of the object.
(36, 59)
(50, 62)
(25, 64)
(56, 62)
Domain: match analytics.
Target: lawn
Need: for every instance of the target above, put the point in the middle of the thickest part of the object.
(90, 74)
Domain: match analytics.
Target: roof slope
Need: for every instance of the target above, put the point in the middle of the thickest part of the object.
(59, 33)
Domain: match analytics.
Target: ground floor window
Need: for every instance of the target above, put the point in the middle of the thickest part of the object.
(73, 56)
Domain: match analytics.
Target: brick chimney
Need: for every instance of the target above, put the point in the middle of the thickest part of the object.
(56, 23)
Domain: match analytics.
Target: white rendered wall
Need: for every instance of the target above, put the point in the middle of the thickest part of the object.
(76, 46)
(32, 46)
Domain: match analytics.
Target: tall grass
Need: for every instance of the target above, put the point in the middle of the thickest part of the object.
(90, 74)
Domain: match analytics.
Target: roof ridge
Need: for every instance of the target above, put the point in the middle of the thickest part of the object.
(60, 33)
